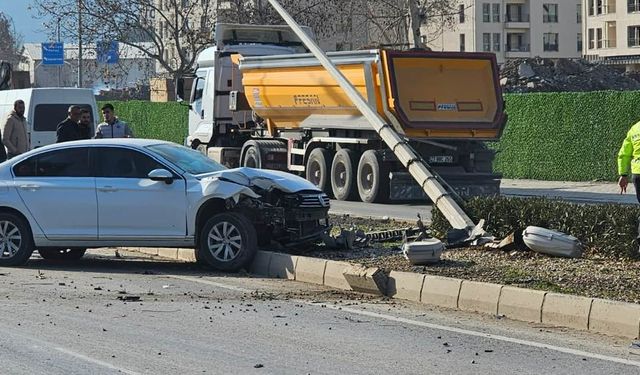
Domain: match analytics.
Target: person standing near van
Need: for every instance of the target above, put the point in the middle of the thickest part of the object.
(14, 131)
(69, 130)
(85, 124)
(112, 127)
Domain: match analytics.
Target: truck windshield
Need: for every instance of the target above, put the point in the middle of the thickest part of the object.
(187, 159)
(283, 38)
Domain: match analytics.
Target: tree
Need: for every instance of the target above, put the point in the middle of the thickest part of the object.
(400, 23)
(172, 32)
(10, 42)
(176, 29)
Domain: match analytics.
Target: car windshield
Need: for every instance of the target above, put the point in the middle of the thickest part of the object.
(190, 160)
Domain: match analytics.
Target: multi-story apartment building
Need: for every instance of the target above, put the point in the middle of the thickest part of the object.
(612, 30)
(513, 29)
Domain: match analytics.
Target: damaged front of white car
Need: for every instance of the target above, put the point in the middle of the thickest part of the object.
(283, 207)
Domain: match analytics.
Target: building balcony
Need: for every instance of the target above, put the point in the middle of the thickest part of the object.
(511, 51)
(516, 21)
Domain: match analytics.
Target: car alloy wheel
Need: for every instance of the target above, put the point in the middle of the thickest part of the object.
(16, 243)
(225, 241)
(10, 239)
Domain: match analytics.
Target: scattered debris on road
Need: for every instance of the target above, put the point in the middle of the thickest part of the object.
(129, 298)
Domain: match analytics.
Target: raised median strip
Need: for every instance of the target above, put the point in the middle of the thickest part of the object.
(282, 266)
(441, 291)
(618, 318)
(311, 270)
(521, 304)
(479, 297)
(334, 275)
(535, 306)
(566, 310)
(405, 285)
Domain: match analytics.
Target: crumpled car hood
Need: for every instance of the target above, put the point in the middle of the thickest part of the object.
(264, 178)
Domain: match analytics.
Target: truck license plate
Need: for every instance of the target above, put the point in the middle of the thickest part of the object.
(441, 159)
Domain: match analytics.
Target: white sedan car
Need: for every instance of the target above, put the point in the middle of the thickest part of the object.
(64, 198)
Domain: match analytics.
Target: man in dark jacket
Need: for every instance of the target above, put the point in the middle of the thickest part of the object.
(85, 127)
(68, 129)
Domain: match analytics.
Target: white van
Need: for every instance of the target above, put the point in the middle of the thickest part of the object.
(45, 108)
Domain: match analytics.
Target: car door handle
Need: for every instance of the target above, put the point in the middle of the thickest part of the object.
(30, 187)
(107, 189)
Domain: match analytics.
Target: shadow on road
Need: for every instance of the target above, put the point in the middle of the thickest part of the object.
(126, 264)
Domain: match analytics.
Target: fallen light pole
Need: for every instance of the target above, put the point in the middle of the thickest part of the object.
(416, 166)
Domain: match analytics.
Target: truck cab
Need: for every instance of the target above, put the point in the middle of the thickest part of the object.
(213, 127)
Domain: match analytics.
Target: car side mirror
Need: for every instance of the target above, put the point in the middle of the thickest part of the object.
(161, 175)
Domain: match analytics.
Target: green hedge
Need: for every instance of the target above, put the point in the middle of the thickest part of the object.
(166, 121)
(607, 230)
(565, 136)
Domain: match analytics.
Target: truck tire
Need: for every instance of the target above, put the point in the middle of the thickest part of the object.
(252, 157)
(53, 253)
(343, 175)
(228, 242)
(318, 168)
(373, 178)
(16, 242)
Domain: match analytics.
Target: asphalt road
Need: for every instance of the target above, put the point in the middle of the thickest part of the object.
(85, 319)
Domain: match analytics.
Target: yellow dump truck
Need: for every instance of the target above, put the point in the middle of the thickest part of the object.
(275, 108)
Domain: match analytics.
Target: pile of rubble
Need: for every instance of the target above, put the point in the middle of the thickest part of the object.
(546, 75)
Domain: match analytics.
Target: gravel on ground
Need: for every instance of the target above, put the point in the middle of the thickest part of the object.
(602, 278)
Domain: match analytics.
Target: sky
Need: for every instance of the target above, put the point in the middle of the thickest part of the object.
(25, 21)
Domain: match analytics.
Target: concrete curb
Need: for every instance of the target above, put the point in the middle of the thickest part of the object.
(521, 304)
(479, 297)
(566, 310)
(597, 315)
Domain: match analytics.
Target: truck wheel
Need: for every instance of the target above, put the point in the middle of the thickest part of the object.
(53, 253)
(227, 242)
(16, 243)
(318, 167)
(252, 158)
(343, 175)
(373, 178)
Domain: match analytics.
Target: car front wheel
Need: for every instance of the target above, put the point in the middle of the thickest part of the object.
(61, 253)
(16, 244)
(228, 242)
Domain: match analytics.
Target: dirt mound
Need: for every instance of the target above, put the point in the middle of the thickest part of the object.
(547, 75)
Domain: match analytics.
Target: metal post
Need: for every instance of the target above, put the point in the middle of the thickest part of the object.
(79, 43)
(60, 67)
(420, 170)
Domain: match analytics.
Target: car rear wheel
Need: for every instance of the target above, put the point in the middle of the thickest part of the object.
(16, 243)
(61, 253)
(228, 242)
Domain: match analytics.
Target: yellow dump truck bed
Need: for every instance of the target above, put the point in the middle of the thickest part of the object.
(421, 94)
